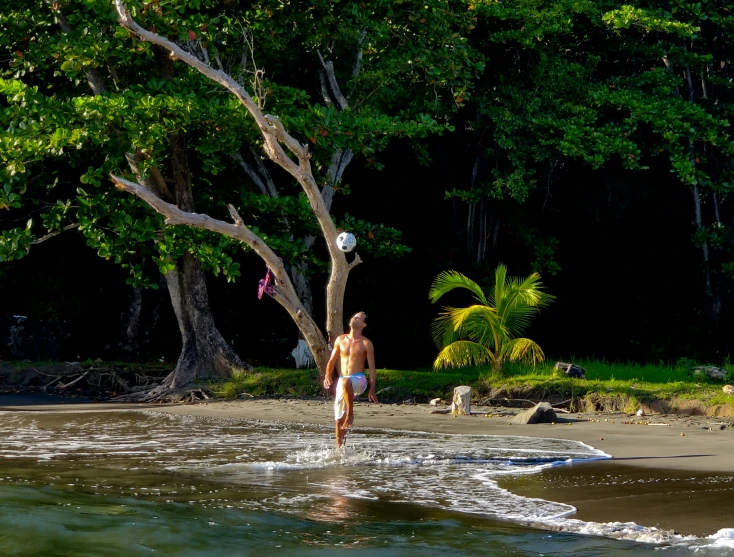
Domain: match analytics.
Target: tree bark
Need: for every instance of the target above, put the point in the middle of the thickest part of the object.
(204, 352)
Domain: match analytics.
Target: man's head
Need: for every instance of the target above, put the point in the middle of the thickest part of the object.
(358, 321)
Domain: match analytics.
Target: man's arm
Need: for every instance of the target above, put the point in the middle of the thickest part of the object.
(373, 373)
(332, 362)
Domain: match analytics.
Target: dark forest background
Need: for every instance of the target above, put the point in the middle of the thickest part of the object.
(617, 243)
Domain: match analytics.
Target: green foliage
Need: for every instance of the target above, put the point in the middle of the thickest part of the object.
(610, 85)
(415, 69)
(489, 331)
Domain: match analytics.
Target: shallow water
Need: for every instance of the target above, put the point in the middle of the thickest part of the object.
(129, 483)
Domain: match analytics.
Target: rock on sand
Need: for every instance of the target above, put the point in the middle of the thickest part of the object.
(541, 413)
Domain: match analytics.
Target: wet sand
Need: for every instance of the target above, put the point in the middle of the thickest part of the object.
(679, 443)
(677, 476)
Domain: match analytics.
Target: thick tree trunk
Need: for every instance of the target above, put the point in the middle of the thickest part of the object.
(204, 354)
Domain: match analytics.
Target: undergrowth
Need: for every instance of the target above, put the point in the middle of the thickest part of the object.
(636, 383)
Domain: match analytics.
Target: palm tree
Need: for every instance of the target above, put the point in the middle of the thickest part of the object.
(488, 332)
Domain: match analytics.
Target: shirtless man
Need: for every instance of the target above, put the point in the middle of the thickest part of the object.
(354, 350)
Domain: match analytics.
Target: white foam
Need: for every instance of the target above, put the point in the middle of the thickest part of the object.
(721, 540)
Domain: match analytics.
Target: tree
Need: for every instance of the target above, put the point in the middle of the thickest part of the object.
(347, 129)
(488, 332)
(607, 85)
(60, 56)
(377, 69)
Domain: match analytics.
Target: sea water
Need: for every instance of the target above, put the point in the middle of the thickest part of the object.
(134, 483)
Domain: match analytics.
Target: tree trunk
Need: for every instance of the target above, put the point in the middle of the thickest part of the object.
(130, 342)
(339, 162)
(204, 354)
(461, 405)
(301, 353)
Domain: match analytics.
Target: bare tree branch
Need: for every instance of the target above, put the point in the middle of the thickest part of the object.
(341, 100)
(264, 172)
(54, 234)
(339, 161)
(325, 88)
(356, 261)
(250, 172)
(283, 292)
(272, 129)
(358, 59)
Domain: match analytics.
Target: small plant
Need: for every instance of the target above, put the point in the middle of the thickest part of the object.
(488, 332)
(239, 374)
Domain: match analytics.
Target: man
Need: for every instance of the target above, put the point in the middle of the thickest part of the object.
(354, 349)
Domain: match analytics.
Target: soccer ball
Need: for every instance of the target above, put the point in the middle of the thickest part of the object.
(346, 241)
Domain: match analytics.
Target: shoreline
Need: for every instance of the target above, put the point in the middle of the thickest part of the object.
(673, 442)
(655, 475)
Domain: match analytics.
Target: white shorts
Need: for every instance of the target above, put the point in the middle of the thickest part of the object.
(359, 385)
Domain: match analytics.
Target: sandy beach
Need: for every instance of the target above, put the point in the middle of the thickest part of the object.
(673, 442)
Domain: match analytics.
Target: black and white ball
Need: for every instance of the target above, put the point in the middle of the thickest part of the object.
(346, 241)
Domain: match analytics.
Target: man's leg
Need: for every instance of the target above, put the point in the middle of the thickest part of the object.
(339, 434)
(348, 419)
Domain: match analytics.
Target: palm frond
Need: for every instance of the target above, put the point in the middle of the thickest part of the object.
(522, 350)
(477, 323)
(522, 300)
(463, 353)
(517, 318)
(498, 289)
(447, 281)
(442, 328)
(530, 291)
(480, 324)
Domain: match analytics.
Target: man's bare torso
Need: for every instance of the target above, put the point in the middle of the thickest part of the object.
(353, 352)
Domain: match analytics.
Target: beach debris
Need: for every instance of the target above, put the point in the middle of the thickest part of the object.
(571, 370)
(728, 389)
(461, 405)
(541, 413)
(682, 434)
(601, 438)
(640, 412)
(712, 372)
(434, 402)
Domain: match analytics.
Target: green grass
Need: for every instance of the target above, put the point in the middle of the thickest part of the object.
(626, 384)
(629, 382)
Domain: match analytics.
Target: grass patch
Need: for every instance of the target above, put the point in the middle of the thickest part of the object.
(624, 386)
